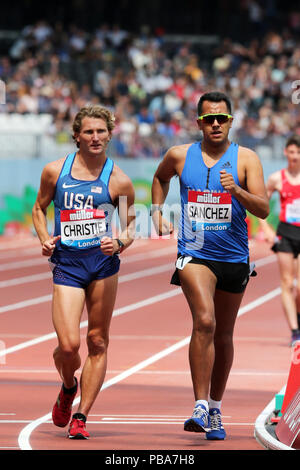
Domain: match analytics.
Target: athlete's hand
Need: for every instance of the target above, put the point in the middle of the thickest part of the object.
(49, 245)
(108, 246)
(228, 183)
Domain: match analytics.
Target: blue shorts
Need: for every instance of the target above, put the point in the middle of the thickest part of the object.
(80, 269)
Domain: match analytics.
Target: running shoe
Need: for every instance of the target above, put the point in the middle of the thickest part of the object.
(217, 432)
(77, 429)
(62, 409)
(199, 422)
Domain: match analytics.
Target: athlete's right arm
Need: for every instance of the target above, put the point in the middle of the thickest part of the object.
(273, 183)
(39, 211)
(168, 167)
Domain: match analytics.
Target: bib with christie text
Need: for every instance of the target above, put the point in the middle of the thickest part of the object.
(82, 228)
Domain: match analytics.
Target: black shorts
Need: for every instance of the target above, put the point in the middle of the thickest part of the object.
(231, 277)
(288, 239)
(287, 245)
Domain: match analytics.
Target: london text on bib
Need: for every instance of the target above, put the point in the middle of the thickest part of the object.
(209, 210)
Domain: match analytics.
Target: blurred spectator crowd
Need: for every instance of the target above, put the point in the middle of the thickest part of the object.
(153, 83)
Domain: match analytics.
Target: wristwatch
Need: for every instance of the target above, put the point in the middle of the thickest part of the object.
(121, 245)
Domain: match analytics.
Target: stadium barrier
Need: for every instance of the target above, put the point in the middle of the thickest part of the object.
(278, 426)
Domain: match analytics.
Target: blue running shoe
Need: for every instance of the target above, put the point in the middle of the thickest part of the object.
(217, 432)
(199, 422)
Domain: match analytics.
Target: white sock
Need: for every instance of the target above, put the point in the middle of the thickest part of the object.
(214, 404)
(203, 403)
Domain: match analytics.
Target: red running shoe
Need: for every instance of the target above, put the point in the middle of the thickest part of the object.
(77, 429)
(62, 409)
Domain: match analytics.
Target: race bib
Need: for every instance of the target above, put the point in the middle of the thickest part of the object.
(209, 210)
(82, 228)
(293, 212)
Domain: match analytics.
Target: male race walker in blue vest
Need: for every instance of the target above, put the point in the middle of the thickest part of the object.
(219, 181)
(85, 187)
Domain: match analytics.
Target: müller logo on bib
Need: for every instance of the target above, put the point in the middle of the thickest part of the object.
(209, 210)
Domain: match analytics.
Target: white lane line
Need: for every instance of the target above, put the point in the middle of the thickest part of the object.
(127, 421)
(178, 422)
(36, 250)
(128, 259)
(25, 279)
(105, 416)
(28, 371)
(117, 312)
(147, 272)
(128, 308)
(171, 250)
(14, 421)
(261, 300)
(23, 264)
(147, 372)
(129, 277)
(125, 260)
(21, 253)
(265, 260)
(9, 447)
(24, 435)
(26, 303)
(17, 242)
(123, 278)
(143, 418)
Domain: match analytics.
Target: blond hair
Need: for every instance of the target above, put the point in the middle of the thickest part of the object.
(97, 112)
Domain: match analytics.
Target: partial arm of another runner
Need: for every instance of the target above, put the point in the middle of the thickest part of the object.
(168, 167)
(252, 192)
(39, 212)
(273, 184)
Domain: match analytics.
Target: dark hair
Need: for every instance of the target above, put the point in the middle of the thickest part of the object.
(215, 96)
(293, 140)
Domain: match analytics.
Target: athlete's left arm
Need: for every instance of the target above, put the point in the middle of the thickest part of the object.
(122, 192)
(252, 193)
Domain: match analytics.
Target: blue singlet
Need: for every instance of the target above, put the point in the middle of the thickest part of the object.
(83, 209)
(212, 224)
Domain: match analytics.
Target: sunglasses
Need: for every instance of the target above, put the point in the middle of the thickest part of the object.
(210, 118)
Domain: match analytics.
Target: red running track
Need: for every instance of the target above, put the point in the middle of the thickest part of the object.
(147, 393)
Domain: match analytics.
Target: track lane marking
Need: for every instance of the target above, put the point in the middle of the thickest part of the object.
(142, 303)
(138, 305)
(83, 324)
(123, 278)
(152, 254)
(24, 436)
